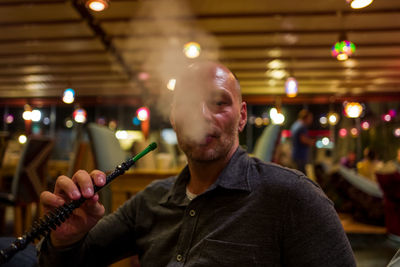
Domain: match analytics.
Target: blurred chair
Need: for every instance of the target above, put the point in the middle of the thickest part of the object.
(29, 181)
(81, 158)
(364, 196)
(351, 193)
(107, 154)
(390, 184)
(266, 144)
(362, 183)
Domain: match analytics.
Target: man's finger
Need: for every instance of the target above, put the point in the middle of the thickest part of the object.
(65, 186)
(85, 183)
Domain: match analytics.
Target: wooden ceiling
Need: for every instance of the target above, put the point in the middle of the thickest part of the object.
(49, 45)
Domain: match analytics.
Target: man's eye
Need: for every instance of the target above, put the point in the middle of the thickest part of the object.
(220, 103)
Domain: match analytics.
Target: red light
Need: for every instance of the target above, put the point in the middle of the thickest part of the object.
(343, 132)
(143, 113)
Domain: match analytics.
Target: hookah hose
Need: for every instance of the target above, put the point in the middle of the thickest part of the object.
(56, 217)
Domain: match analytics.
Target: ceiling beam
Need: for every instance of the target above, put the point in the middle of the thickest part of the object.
(31, 3)
(258, 15)
(39, 23)
(75, 73)
(265, 32)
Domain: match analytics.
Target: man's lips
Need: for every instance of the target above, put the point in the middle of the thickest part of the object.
(209, 138)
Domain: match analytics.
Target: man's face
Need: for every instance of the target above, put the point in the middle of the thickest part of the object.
(207, 113)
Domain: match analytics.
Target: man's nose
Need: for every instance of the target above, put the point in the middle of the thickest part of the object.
(205, 111)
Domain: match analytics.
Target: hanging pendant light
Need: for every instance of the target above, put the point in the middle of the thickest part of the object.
(291, 87)
(97, 5)
(68, 96)
(343, 48)
(357, 4)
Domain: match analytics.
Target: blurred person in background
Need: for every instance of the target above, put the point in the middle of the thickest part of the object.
(301, 141)
(369, 164)
(349, 161)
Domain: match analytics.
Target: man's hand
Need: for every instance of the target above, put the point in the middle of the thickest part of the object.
(83, 218)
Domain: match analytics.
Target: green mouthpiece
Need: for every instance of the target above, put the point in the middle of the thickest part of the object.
(149, 148)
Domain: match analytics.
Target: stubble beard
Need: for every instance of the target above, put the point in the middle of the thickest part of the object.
(218, 149)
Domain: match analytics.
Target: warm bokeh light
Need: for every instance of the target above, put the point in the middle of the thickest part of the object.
(276, 117)
(342, 57)
(354, 131)
(121, 134)
(276, 64)
(258, 122)
(22, 139)
(69, 123)
(68, 96)
(112, 124)
(79, 115)
(171, 84)
(357, 4)
(276, 74)
(97, 5)
(192, 49)
(353, 109)
(396, 132)
(126, 138)
(36, 115)
(143, 113)
(333, 118)
(343, 132)
(291, 87)
(365, 125)
(27, 115)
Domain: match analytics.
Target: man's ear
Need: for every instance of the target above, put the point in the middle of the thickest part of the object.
(243, 116)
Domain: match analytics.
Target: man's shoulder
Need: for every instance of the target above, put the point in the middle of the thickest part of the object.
(270, 174)
(273, 170)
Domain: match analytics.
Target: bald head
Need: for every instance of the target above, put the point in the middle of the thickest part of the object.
(208, 71)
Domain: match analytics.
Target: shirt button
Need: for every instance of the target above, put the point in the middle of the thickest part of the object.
(192, 213)
(179, 257)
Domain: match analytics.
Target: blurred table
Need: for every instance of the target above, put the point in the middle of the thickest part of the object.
(135, 180)
(352, 226)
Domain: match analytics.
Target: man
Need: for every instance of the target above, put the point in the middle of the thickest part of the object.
(223, 209)
(300, 139)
